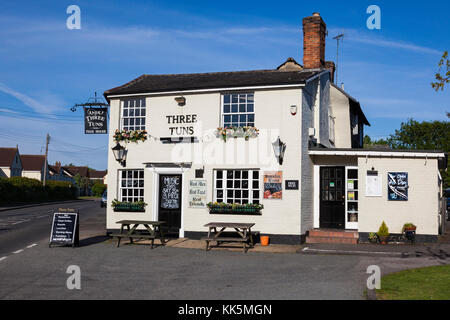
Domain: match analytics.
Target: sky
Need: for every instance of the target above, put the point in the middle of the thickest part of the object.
(46, 68)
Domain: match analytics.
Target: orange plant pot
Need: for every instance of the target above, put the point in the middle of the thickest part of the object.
(264, 240)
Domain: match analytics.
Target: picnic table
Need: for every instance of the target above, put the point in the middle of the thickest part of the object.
(153, 228)
(243, 230)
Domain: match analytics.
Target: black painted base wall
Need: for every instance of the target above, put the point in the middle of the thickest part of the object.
(420, 238)
(273, 238)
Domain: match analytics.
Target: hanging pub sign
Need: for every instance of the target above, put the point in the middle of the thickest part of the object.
(273, 187)
(95, 120)
(398, 186)
(65, 228)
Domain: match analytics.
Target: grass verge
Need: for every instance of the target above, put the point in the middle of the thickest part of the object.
(431, 283)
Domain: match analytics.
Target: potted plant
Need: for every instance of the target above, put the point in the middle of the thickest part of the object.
(409, 229)
(383, 233)
(373, 238)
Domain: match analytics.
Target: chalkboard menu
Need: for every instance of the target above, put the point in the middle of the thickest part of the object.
(65, 228)
(170, 192)
(398, 186)
(95, 120)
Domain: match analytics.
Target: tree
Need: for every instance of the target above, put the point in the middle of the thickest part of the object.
(369, 143)
(83, 183)
(442, 78)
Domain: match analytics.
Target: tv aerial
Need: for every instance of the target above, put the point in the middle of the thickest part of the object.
(338, 38)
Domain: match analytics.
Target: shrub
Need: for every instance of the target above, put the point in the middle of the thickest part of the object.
(60, 190)
(98, 189)
(383, 231)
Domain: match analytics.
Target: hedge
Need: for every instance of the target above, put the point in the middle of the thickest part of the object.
(21, 189)
(98, 189)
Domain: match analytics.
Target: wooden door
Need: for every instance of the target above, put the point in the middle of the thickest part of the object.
(170, 201)
(332, 197)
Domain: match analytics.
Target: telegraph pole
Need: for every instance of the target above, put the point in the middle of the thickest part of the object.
(47, 141)
(338, 38)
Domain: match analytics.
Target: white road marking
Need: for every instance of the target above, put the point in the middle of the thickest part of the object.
(18, 251)
(3, 258)
(32, 245)
(20, 221)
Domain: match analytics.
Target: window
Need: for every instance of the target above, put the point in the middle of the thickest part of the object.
(131, 187)
(133, 114)
(236, 186)
(238, 110)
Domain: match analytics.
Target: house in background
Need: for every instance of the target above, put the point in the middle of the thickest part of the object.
(98, 176)
(33, 166)
(57, 172)
(10, 162)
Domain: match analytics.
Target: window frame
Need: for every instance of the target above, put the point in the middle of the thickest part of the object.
(128, 118)
(238, 113)
(225, 189)
(121, 188)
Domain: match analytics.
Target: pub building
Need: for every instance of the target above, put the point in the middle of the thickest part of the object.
(282, 147)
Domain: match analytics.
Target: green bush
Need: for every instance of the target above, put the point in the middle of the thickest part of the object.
(98, 189)
(383, 231)
(22, 189)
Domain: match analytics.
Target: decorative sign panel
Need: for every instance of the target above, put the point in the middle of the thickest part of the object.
(170, 192)
(398, 186)
(273, 187)
(197, 193)
(95, 120)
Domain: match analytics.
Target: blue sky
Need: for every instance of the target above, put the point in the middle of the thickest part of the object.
(45, 68)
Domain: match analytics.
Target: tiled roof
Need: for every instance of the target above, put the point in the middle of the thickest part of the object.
(7, 156)
(32, 162)
(195, 81)
(94, 174)
(82, 171)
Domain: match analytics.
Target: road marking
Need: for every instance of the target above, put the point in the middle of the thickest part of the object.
(18, 251)
(32, 245)
(3, 258)
(20, 221)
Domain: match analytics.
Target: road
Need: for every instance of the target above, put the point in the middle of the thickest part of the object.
(29, 269)
(21, 228)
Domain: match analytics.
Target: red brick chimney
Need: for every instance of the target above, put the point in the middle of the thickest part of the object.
(314, 31)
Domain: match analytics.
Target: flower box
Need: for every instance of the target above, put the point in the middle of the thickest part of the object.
(128, 206)
(235, 209)
(130, 135)
(237, 132)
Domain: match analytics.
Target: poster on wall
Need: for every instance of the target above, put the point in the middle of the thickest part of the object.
(373, 186)
(398, 186)
(197, 194)
(273, 184)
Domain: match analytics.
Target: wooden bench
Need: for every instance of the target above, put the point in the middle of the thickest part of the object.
(152, 227)
(219, 240)
(133, 236)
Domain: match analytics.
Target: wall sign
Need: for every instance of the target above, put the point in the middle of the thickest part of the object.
(95, 120)
(398, 186)
(65, 228)
(273, 188)
(291, 185)
(373, 185)
(181, 124)
(197, 194)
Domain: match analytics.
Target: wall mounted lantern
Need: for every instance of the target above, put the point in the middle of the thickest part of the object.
(181, 101)
(293, 109)
(279, 147)
(120, 153)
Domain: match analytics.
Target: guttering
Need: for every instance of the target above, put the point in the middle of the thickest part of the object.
(299, 85)
(396, 154)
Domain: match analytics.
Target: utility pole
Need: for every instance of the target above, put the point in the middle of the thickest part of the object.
(338, 38)
(47, 141)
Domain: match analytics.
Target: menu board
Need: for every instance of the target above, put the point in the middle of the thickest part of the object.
(65, 228)
(273, 184)
(197, 193)
(398, 186)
